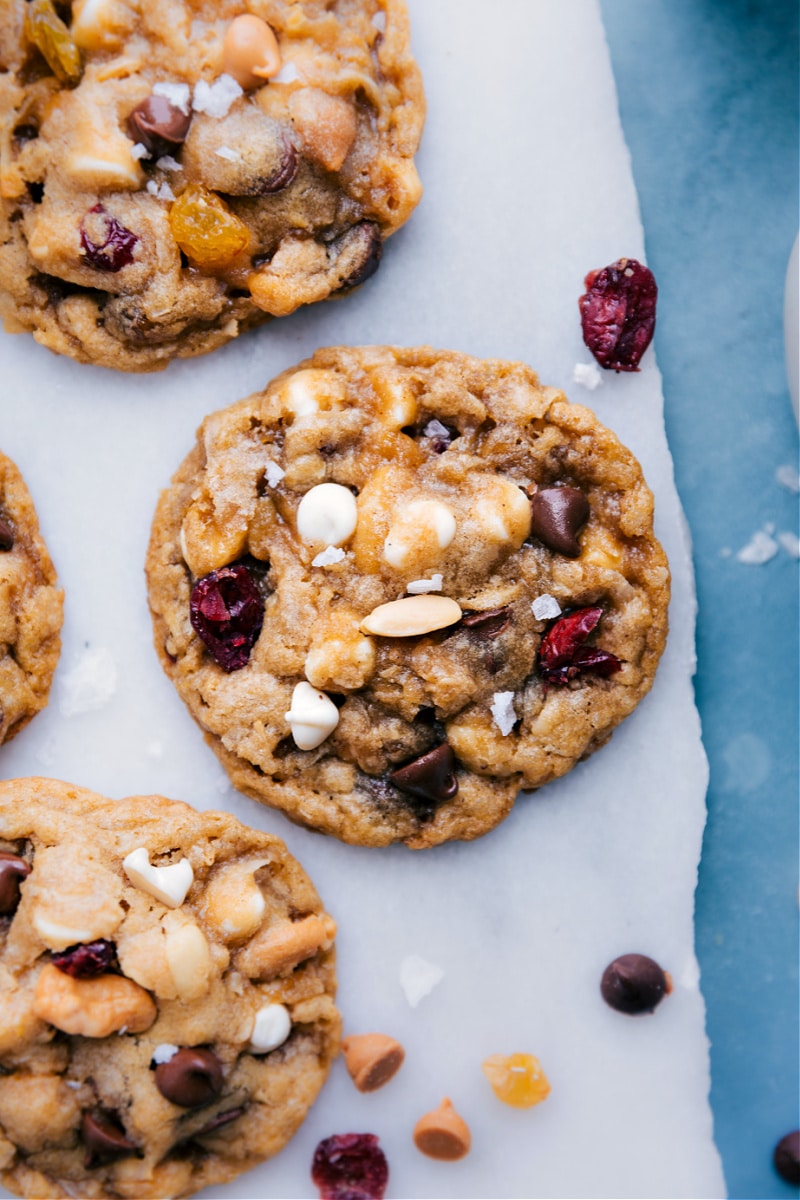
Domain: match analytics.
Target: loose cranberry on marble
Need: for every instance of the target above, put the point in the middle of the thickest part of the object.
(227, 612)
(350, 1166)
(107, 244)
(618, 313)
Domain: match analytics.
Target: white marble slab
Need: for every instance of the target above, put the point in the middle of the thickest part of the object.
(528, 186)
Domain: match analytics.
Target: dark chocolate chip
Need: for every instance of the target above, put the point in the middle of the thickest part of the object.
(488, 624)
(361, 249)
(13, 870)
(557, 515)
(221, 1119)
(26, 133)
(432, 776)
(285, 173)
(6, 535)
(634, 983)
(191, 1077)
(104, 1137)
(159, 125)
(786, 1157)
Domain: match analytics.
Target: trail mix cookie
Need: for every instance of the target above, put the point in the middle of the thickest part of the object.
(174, 174)
(30, 607)
(398, 585)
(166, 994)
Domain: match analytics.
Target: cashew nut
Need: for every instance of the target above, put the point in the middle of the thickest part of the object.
(277, 949)
(92, 1007)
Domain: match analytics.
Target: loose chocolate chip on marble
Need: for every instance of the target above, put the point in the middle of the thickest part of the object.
(634, 983)
(6, 535)
(192, 1077)
(786, 1157)
(104, 1137)
(432, 776)
(557, 516)
(13, 870)
(159, 125)
(87, 960)
(488, 624)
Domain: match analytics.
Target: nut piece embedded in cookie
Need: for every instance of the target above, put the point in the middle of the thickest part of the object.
(93, 1008)
(412, 616)
(279, 948)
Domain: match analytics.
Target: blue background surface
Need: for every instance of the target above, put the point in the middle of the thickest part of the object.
(708, 95)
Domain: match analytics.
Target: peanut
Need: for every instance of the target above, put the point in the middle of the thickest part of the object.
(277, 949)
(92, 1007)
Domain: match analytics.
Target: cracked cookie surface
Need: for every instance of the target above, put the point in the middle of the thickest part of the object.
(167, 987)
(30, 607)
(398, 585)
(174, 174)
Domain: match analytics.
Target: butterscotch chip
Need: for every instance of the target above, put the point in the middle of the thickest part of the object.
(151, 1058)
(443, 1133)
(30, 607)
(325, 689)
(176, 174)
(372, 1059)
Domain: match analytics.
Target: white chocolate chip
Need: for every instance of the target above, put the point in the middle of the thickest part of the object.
(165, 1052)
(327, 557)
(418, 587)
(177, 94)
(502, 709)
(271, 1028)
(312, 717)
(327, 513)
(545, 607)
(412, 524)
(411, 616)
(60, 936)
(189, 960)
(168, 884)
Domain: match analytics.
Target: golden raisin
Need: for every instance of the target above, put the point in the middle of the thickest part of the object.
(517, 1079)
(48, 33)
(206, 230)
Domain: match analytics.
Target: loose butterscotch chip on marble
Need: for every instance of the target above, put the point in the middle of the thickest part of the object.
(161, 1056)
(398, 585)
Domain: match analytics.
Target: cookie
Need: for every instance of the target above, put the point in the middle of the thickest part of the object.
(398, 585)
(30, 607)
(166, 994)
(173, 174)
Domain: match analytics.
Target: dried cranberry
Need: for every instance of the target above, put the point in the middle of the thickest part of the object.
(563, 655)
(227, 612)
(350, 1166)
(86, 960)
(618, 313)
(108, 245)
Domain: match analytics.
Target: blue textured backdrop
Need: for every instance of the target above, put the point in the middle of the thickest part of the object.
(709, 102)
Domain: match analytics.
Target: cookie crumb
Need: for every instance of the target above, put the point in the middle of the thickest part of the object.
(545, 607)
(418, 978)
(759, 550)
(502, 709)
(588, 375)
(90, 684)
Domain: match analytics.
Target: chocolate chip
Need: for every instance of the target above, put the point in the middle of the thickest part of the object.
(557, 514)
(285, 173)
(359, 250)
(432, 776)
(159, 125)
(104, 1137)
(786, 1157)
(13, 870)
(191, 1077)
(221, 1119)
(634, 983)
(488, 624)
(6, 535)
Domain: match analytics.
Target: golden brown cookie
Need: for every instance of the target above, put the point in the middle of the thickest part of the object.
(398, 585)
(166, 994)
(174, 174)
(30, 607)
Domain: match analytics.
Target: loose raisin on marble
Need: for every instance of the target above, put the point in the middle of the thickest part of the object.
(45, 30)
(350, 1166)
(618, 313)
(563, 655)
(206, 230)
(227, 612)
(87, 960)
(107, 244)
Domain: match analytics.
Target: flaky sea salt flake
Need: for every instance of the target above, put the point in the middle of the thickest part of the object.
(789, 477)
(164, 1052)
(287, 74)
(588, 375)
(418, 587)
(90, 684)
(502, 709)
(328, 556)
(177, 94)
(759, 550)
(545, 607)
(168, 163)
(790, 543)
(273, 474)
(435, 428)
(418, 978)
(216, 98)
(228, 154)
(139, 151)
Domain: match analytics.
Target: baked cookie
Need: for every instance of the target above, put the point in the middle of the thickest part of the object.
(174, 174)
(166, 994)
(398, 585)
(30, 607)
